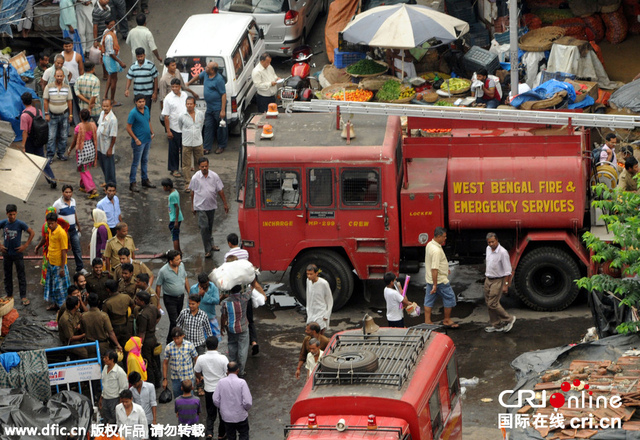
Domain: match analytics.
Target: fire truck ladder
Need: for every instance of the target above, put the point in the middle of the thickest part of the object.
(474, 114)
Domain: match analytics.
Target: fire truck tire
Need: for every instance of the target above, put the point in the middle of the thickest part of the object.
(333, 268)
(358, 361)
(545, 279)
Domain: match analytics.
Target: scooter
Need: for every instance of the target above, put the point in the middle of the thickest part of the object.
(300, 85)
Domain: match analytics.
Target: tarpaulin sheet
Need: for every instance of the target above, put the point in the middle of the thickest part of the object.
(340, 13)
(544, 91)
(27, 334)
(67, 409)
(530, 366)
(11, 12)
(10, 92)
(627, 96)
(568, 59)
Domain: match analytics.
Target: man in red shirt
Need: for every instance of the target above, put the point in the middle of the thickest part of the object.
(28, 145)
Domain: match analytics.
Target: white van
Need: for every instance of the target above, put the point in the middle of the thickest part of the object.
(234, 42)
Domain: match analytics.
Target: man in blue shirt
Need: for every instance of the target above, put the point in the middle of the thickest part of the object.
(141, 132)
(215, 94)
(111, 207)
(12, 250)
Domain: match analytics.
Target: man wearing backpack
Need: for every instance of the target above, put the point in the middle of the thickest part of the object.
(35, 134)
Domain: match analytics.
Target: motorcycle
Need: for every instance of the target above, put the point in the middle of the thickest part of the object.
(300, 85)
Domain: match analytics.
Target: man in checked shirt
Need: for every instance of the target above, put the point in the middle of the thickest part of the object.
(498, 274)
(195, 323)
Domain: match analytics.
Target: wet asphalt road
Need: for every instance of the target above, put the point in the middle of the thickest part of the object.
(270, 374)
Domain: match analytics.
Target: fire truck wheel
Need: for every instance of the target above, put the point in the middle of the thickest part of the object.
(358, 361)
(545, 279)
(333, 268)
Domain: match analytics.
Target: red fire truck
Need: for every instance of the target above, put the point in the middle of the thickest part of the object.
(360, 210)
(396, 384)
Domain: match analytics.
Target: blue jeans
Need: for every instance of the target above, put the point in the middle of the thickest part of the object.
(491, 103)
(212, 130)
(74, 238)
(238, 344)
(58, 128)
(176, 384)
(108, 165)
(140, 156)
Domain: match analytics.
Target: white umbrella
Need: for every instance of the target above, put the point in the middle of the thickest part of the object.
(403, 27)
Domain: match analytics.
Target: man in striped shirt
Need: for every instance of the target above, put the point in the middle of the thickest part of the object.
(144, 76)
(234, 320)
(66, 208)
(234, 248)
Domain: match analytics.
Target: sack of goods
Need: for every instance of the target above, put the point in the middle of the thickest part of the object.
(257, 299)
(233, 273)
(413, 310)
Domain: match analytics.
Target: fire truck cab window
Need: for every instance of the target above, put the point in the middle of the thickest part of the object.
(320, 187)
(280, 189)
(360, 187)
(436, 412)
(452, 377)
(250, 190)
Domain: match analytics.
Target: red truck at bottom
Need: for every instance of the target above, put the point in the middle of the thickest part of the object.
(363, 209)
(399, 384)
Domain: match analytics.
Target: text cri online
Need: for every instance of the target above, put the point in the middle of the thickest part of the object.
(53, 430)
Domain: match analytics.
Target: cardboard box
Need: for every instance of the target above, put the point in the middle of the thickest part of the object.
(592, 88)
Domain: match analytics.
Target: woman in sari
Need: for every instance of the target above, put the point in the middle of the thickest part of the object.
(135, 362)
(84, 140)
(44, 242)
(99, 235)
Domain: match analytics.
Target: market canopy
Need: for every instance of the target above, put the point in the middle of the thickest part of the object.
(403, 27)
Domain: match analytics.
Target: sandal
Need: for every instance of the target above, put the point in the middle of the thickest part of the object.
(52, 308)
(215, 249)
(201, 392)
(25, 302)
(93, 194)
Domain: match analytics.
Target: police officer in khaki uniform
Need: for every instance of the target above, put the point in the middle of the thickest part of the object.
(627, 182)
(126, 283)
(69, 327)
(97, 327)
(121, 240)
(96, 280)
(138, 267)
(118, 307)
(146, 323)
(142, 284)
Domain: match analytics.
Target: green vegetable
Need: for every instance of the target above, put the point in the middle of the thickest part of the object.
(366, 67)
(389, 91)
(443, 104)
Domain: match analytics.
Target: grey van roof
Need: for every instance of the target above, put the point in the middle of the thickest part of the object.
(209, 35)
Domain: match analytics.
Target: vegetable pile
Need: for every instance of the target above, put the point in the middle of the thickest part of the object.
(393, 90)
(366, 67)
(359, 95)
(443, 104)
(455, 84)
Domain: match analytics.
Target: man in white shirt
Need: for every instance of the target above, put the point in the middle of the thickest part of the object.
(190, 124)
(211, 367)
(141, 36)
(313, 356)
(205, 186)
(496, 283)
(319, 299)
(144, 394)
(66, 208)
(48, 75)
(107, 133)
(174, 106)
(131, 419)
(114, 380)
(265, 80)
(234, 248)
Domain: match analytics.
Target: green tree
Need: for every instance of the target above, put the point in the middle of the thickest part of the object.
(622, 217)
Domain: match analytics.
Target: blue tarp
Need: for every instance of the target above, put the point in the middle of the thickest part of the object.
(10, 98)
(11, 12)
(545, 91)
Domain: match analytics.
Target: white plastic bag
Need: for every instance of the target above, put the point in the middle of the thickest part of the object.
(95, 56)
(257, 299)
(233, 273)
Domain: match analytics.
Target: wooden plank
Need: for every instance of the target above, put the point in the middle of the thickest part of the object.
(23, 174)
(546, 386)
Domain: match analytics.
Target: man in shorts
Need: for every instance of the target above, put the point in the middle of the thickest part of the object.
(437, 272)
